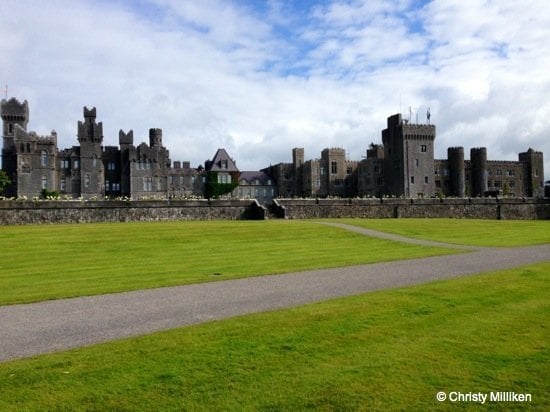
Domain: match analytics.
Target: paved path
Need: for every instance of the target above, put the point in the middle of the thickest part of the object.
(27, 330)
(398, 238)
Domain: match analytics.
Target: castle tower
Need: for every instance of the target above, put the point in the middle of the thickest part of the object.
(408, 158)
(90, 137)
(155, 138)
(14, 114)
(333, 162)
(297, 170)
(533, 171)
(127, 151)
(455, 156)
(478, 164)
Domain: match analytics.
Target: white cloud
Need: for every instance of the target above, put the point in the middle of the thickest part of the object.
(260, 81)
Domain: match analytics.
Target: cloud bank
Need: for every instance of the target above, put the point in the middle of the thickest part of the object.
(259, 78)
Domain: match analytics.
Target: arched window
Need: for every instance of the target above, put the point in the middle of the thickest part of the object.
(44, 158)
(44, 182)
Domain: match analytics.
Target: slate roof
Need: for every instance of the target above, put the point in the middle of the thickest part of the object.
(221, 162)
(250, 177)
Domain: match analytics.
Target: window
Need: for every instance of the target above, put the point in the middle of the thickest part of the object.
(115, 187)
(322, 171)
(44, 158)
(107, 186)
(63, 184)
(65, 164)
(10, 128)
(111, 166)
(423, 148)
(76, 164)
(333, 167)
(426, 179)
(87, 180)
(224, 178)
(416, 162)
(94, 162)
(44, 182)
(148, 184)
(412, 180)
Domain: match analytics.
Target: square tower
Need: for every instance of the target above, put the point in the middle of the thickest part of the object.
(408, 158)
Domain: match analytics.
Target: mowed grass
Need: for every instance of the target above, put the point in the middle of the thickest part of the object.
(59, 261)
(389, 350)
(475, 232)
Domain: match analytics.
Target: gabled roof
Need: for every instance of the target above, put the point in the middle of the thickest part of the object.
(221, 162)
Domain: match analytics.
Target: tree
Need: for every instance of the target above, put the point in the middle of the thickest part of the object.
(4, 181)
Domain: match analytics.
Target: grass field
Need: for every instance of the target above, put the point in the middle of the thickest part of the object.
(475, 232)
(57, 261)
(390, 350)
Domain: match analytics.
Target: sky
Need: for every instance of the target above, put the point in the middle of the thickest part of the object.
(261, 77)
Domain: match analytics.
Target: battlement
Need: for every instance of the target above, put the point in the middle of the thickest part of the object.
(89, 113)
(126, 138)
(13, 107)
(21, 135)
(419, 130)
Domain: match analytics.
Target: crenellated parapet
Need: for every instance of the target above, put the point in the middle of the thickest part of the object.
(89, 131)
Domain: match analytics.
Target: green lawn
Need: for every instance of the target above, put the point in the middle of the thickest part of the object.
(476, 232)
(56, 261)
(389, 350)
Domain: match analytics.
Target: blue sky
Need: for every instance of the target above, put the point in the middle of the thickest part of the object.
(261, 77)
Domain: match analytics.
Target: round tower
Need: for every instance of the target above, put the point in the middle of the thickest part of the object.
(478, 162)
(155, 137)
(455, 156)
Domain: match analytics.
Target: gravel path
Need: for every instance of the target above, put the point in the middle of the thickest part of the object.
(31, 329)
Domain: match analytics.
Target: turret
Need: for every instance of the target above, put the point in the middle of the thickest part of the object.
(155, 138)
(533, 169)
(13, 113)
(478, 162)
(90, 131)
(455, 157)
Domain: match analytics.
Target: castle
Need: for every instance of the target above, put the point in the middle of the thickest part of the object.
(403, 165)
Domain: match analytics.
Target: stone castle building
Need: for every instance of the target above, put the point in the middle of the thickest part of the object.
(403, 165)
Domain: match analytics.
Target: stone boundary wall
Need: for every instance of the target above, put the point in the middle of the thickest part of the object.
(473, 208)
(17, 212)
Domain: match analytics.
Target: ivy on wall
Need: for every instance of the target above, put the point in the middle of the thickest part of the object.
(214, 189)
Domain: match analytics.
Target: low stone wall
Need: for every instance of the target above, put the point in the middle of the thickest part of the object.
(16, 212)
(473, 208)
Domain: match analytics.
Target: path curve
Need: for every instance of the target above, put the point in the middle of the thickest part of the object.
(32, 329)
(399, 238)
